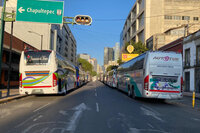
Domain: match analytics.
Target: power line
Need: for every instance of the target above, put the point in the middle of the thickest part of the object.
(122, 19)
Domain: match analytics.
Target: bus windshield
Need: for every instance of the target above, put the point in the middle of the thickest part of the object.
(37, 58)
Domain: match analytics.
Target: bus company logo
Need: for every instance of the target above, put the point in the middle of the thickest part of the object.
(166, 58)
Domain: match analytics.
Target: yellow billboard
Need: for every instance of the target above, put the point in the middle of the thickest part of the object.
(127, 57)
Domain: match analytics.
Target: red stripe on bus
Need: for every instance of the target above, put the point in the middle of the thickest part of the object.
(165, 91)
(37, 86)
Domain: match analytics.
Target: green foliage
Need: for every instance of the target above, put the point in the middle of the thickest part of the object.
(111, 67)
(93, 73)
(139, 47)
(87, 67)
(119, 61)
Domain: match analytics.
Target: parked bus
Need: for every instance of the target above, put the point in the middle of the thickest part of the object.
(80, 77)
(45, 72)
(152, 75)
(112, 79)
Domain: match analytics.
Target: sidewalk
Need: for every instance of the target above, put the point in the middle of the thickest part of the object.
(189, 94)
(14, 94)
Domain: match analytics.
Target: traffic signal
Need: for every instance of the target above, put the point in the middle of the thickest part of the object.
(83, 20)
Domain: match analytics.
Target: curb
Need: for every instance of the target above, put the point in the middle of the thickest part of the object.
(185, 95)
(4, 100)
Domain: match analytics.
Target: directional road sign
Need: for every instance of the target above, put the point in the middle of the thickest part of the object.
(41, 11)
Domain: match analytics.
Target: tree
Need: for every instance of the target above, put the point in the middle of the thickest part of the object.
(119, 61)
(111, 67)
(93, 73)
(87, 67)
(139, 47)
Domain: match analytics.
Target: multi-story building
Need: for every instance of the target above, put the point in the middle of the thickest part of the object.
(116, 52)
(149, 17)
(84, 56)
(67, 47)
(93, 61)
(99, 69)
(43, 35)
(191, 62)
(108, 55)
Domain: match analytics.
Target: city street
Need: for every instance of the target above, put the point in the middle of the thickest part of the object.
(96, 108)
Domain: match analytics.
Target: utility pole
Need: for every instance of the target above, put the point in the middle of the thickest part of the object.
(10, 57)
(41, 41)
(2, 33)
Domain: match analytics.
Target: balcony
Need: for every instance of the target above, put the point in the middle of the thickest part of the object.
(186, 64)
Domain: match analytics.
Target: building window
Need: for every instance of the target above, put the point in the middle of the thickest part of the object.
(198, 55)
(185, 17)
(187, 57)
(168, 17)
(14, 76)
(177, 17)
(196, 18)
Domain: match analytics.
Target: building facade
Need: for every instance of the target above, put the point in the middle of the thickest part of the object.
(99, 69)
(108, 55)
(84, 56)
(149, 17)
(93, 61)
(175, 46)
(191, 62)
(66, 44)
(17, 47)
(116, 52)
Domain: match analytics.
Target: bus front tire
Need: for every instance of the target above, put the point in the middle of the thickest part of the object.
(129, 92)
(133, 93)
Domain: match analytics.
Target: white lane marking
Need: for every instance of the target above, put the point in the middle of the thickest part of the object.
(97, 107)
(96, 94)
(151, 113)
(195, 119)
(76, 117)
(150, 125)
(135, 130)
(41, 107)
(43, 127)
(30, 118)
(63, 112)
(40, 116)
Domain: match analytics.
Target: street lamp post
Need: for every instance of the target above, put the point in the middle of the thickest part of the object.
(38, 35)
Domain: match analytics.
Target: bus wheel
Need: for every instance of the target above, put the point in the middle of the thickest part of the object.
(133, 93)
(66, 88)
(129, 92)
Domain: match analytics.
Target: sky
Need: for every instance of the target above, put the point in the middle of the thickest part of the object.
(104, 31)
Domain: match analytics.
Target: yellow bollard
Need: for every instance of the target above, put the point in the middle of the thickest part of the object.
(193, 99)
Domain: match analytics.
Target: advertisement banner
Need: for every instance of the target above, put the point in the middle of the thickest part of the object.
(127, 57)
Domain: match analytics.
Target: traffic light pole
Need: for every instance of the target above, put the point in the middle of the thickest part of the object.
(69, 20)
(2, 33)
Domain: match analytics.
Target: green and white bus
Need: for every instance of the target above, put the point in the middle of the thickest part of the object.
(152, 75)
(45, 72)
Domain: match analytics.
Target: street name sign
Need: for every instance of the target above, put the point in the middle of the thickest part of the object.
(40, 11)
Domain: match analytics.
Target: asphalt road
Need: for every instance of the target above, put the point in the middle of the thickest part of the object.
(96, 108)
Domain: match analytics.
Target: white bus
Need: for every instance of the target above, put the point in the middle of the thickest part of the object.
(111, 78)
(45, 72)
(152, 75)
